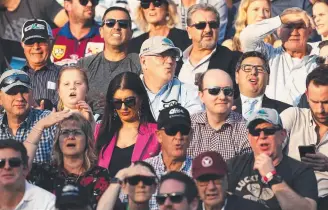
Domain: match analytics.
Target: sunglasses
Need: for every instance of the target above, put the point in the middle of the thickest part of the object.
(145, 4)
(204, 180)
(174, 197)
(13, 78)
(227, 91)
(146, 180)
(173, 130)
(40, 42)
(13, 162)
(85, 2)
(321, 60)
(110, 23)
(202, 25)
(128, 102)
(266, 131)
(68, 132)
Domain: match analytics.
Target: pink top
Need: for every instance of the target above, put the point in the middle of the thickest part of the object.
(146, 145)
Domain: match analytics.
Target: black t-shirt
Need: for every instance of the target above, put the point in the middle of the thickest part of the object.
(246, 183)
(121, 158)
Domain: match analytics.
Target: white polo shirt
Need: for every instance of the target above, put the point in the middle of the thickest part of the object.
(36, 198)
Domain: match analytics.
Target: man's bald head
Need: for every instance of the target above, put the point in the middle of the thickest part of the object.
(214, 77)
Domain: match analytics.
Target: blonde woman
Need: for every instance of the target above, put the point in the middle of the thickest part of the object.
(158, 18)
(249, 12)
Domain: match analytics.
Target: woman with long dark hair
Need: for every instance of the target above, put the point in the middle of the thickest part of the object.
(127, 131)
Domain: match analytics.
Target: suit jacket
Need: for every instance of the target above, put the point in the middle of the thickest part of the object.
(266, 103)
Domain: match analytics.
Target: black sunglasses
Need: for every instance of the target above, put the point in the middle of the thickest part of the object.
(110, 23)
(266, 131)
(129, 102)
(227, 91)
(173, 130)
(13, 78)
(321, 59)
(85, 2)
(13, 162)
(202, 25)
(145, 4)
(174, 197)
(146, 180)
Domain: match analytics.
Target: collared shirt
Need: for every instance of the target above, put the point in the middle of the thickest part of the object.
(32, 200)
(43, 82)
(287, 75)
(188, 71)
(160, 169)
(230, 140)
(244, 102)
(301, 129)
(43, 153)
(185, 94)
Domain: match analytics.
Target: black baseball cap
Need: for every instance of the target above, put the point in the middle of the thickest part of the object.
(173, 115)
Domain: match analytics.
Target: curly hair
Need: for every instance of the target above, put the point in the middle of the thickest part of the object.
(171, 20)
(241, 23)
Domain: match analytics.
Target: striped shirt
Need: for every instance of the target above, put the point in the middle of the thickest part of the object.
(43, 153)
(43, 82)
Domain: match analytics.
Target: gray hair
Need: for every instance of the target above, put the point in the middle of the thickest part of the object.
(204, 7)
(291, 10)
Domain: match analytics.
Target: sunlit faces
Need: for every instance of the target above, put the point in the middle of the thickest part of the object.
(156, 15)
(253, 83)
(116, 36)
(127, 112)
(257, 11)
(320, 17)
(203, 38)
(11, 176)
(16, 101)
(317, 96)
(72, 140)
(37, 52)
(78, 12)
(72, 88)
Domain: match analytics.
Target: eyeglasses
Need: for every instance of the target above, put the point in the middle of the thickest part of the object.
(85, 2)
(250, 67)
(13, 162)
(266, 131)
(202, 25)
(294, 26)
(68, 132)
(14, 78)
(110, 23)
(32, 42)
(174, 197)
(128, 102)
(146, 180)
(321, 60)
(205, 179)
(164, 57)
(227, 91)
(145, 4)
(173, 130)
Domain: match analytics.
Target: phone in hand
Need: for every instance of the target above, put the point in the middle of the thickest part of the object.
(306, 149)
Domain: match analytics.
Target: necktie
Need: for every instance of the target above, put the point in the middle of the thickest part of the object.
(249, 106)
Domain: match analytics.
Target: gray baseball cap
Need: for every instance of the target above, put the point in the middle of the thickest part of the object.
(264, 114)
(13, 78)
(156, 45)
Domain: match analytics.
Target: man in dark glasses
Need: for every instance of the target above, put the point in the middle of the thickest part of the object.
(15, 191)
(252, 77)
(79, 37)
(177, 191)
(267, 178)
(158, 57)
(104, 66)
(173, 134)
(19, 117)
(205, 52)
(218, 128)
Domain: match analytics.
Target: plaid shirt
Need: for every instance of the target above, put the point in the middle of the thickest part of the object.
(230, 140)
(43, 153)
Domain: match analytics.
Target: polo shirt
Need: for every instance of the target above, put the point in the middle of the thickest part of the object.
(67, 49)
(301, 129)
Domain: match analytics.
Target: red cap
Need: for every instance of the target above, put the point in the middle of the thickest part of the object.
(209, 163)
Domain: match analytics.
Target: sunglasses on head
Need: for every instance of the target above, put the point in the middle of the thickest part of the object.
(202, 25)
(173, 130)
(13, 78)
(266, 131)
(13, 162)
(146, 180)
(174, 197)
(128, 102)
(321, 60)
(85, 2)
(110, 23)
(145, 4)
(227, 91)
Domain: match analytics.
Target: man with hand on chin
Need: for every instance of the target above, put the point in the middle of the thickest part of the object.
(267, 178)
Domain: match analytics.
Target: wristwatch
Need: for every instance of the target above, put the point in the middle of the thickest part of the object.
(116, 180)
(276, 179)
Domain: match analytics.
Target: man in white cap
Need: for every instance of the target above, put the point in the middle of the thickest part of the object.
(267, 178)
(158, 58)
